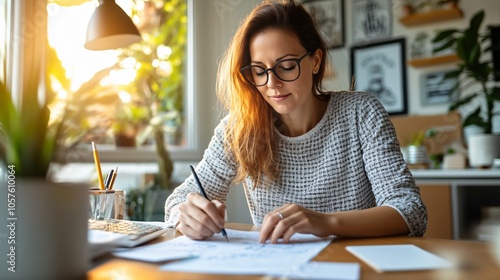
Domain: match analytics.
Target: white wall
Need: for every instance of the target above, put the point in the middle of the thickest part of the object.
(217, 20)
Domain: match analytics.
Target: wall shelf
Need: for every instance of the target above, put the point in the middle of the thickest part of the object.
(435, 60)
(433, 16)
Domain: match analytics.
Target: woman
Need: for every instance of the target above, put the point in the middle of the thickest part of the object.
(310, 161)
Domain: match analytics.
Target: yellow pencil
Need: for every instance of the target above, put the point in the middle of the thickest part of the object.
(98, 166)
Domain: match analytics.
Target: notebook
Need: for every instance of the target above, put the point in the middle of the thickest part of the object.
(401, 257)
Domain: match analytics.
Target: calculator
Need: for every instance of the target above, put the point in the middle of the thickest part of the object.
(134, 232)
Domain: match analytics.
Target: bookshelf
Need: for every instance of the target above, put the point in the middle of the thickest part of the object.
(432, 16)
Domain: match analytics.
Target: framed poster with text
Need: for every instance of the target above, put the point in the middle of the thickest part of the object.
(379, 68)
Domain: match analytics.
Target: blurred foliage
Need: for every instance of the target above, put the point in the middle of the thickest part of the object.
(85, 111)
(472, 46)
(39, 132)
(159, 59)
(159, 62)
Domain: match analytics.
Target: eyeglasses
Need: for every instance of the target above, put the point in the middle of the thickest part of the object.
(287, 70)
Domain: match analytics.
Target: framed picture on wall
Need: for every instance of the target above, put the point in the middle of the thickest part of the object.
(436, 90)
(379, 68)
(329, 14)
(371, 20)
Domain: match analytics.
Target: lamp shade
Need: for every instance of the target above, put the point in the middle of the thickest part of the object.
(110, 28)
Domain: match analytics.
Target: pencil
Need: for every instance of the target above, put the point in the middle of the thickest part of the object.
(98, 166)
(205, 196)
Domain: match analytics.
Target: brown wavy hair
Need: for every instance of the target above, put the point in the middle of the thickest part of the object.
(250, 135)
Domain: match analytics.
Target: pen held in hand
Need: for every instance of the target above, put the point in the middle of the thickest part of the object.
(198, 182)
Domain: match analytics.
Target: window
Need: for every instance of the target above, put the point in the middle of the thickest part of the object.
(3, 27)
(118, 91)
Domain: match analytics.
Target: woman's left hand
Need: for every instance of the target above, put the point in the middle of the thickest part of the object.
(288, 219)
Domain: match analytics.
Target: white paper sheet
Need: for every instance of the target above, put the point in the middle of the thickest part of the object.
(243, 254)
(399, 257)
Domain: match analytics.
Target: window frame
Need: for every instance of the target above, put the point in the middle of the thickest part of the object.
(191, 151)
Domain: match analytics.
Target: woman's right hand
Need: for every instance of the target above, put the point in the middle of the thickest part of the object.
(200, 218)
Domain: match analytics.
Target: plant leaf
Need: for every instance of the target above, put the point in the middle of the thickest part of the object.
(495, 94)
(474, 118)
(460, 102)
(445, 34)
(475, 22)
(452, 74)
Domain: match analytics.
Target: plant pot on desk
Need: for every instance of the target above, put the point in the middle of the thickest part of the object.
(483, 149)
(46, 232)
(416, 157)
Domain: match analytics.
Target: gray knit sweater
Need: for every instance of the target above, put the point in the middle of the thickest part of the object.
(350, 160)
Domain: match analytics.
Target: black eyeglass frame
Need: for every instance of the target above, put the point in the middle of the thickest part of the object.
(273, 69)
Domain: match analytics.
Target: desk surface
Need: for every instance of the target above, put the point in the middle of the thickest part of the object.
(474, 260)
(470, 173)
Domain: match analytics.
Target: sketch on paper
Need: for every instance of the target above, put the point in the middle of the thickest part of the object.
(243, 254)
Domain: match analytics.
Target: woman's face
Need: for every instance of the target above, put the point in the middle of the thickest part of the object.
(287, 98)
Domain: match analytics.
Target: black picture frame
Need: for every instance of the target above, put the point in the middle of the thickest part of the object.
(436, 90)
(329, 15)
(371, 20)
(380, 69)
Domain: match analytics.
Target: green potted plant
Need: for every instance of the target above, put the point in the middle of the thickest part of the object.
(30, 138)
(475, 72)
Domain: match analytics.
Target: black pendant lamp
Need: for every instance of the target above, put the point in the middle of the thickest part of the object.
(110, 28)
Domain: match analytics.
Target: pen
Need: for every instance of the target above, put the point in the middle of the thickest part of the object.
(107, 182)
(205, 195)
(113, 178)
(98, 166)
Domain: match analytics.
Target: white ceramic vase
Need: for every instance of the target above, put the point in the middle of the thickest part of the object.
(44, 226)
(483, 149)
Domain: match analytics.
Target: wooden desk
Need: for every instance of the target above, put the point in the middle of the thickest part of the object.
(473, 258)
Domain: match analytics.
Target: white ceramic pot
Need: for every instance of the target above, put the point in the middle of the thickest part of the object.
(47, 230)
(483, 149)
(471, 130)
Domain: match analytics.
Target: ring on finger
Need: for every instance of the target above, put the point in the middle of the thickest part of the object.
(280, 215)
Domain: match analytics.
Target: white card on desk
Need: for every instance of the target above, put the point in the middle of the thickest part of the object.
(398, 257)
(150, 253)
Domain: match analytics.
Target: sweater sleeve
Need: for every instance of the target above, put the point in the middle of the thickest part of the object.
(216, 172)
(393, 184)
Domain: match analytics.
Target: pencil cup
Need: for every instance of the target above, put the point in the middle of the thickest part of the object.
(101, 204)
